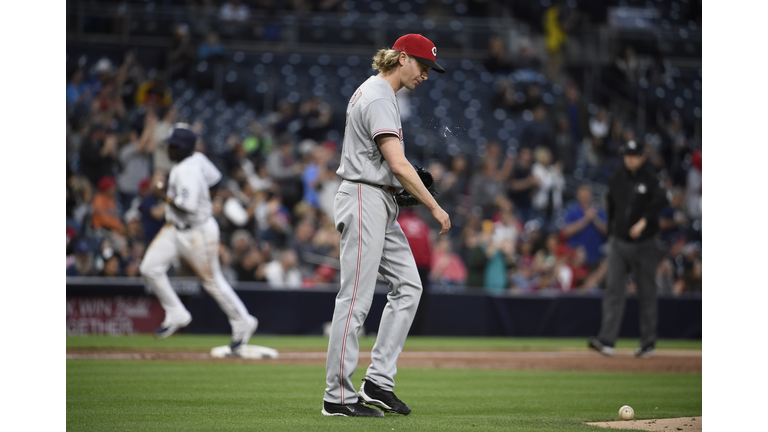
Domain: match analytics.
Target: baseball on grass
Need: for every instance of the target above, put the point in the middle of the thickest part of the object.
(626, 412)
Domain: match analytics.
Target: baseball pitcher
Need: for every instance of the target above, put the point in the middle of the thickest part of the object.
(192, 234)
(376, 176)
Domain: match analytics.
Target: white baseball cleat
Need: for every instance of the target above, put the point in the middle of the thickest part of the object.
(242, 333)
(168, 328)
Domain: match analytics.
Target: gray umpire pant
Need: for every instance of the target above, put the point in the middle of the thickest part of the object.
(371, 242)
(640, 259)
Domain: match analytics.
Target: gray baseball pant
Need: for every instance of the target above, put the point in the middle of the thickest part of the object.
(371, 241)
(640, 260)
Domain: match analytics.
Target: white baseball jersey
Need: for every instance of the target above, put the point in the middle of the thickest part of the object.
(372, 111)
(188, 186)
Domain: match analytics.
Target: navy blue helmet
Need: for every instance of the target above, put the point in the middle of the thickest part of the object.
(183, 140)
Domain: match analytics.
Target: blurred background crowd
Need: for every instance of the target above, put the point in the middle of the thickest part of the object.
(522, 133)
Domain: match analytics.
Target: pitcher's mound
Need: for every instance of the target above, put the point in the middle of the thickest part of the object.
(688, 424)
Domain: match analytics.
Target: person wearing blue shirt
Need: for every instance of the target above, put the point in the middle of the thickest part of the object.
(585, 225)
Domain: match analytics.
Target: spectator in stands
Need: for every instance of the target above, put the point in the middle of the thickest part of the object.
(599, 124)
(574, 108)
(273, 219)
(234, 11)
(586, 226)
(315, 116)
(136, 159)
(506, 225)
(522, 184)
(105, 211)
(258, 143)
(453, 184)
(311, 160)
(557, 21)
(77, 90)
(129, 76)
(537, 132)
(155, 92)
(447, 268)
(526, 59)
(212, 48)
(476, 260)
(83, 265)
(305, 248)
(98, 154)
(182, 57)
(694, 187)
(112, 264)
(252, 266)
(82, 193)
(548, 197)
(533, 99)
(166, 119)
(565, 149)
(497, 61)
(282, 272)
(133, 228)
(285, 170)
(505, 96)
(328, 184)
(628, 65)
(524, 278)
(153, 207)
(484, 187)
(673, 220)
(284, 119)
(418, 235)
(501, 255)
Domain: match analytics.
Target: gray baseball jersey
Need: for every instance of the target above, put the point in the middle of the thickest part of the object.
(371, 242)
(372, 111)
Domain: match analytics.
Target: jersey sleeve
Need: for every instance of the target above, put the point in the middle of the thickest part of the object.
(381, 118)
(210, 172)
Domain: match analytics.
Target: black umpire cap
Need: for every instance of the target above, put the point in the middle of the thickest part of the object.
(633, 147)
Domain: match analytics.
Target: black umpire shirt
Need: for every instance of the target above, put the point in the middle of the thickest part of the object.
(632, 197)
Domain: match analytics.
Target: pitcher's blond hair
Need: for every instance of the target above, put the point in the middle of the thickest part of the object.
(385, 60)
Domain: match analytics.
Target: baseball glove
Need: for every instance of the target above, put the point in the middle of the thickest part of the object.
(405, 199)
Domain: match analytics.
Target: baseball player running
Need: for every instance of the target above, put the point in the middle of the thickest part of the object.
(193, 234)
(374, 169)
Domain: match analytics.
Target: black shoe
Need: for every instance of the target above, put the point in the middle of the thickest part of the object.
(386, 400)
(600, 347)
(353, 410)
(646, 351)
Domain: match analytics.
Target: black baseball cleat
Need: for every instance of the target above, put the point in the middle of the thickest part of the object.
(386, 400)
(351, 410)
(645, 351)
(600, 347)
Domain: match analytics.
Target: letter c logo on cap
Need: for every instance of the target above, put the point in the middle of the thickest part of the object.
(434, 51)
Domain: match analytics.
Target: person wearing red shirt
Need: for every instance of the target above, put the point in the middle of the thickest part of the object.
(418, 234)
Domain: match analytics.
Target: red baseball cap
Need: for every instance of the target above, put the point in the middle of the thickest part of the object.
(421, 48)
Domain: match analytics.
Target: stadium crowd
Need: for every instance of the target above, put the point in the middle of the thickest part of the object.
(517, 226)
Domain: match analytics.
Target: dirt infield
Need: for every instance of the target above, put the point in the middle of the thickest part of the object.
(682, 361)
(688, 424)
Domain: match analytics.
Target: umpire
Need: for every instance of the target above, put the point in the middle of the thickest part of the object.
(635, 198)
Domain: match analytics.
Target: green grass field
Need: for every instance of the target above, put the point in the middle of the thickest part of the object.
(204, 396)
